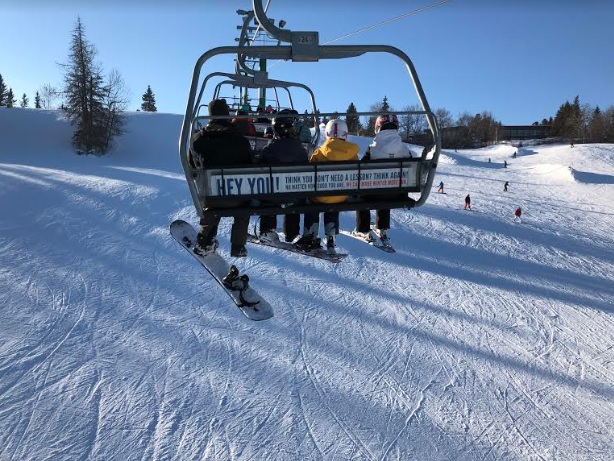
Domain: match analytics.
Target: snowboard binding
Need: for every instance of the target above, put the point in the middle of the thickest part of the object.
(235, 282)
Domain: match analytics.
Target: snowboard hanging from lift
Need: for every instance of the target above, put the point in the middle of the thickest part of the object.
(236, 286)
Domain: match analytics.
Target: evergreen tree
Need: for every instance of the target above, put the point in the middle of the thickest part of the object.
(37, 101)
(24, 101)
(3, 92)
(149, 101)
(381, 108)
(84, 92)
(352, 119)
(608, 124)
(597, 127)
(10, 98)
(568, 120)
(385, 108)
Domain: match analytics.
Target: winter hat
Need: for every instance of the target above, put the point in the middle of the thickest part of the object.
(218, 107)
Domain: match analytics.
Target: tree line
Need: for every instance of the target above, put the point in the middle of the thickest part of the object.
(95, 103)
(572, 122)
(92, 101)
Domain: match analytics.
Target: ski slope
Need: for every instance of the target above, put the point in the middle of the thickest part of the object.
(479, 339)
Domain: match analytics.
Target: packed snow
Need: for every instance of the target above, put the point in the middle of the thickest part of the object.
(481, 338)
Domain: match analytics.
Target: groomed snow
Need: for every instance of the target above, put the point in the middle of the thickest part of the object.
(480, 339)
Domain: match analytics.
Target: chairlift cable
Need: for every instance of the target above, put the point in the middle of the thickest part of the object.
(380, 24)
(388, 21)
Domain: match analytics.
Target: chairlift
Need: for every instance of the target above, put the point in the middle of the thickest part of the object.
(282, 189)
(259, 80)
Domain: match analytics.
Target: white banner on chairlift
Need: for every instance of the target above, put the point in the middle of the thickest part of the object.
(247, 184)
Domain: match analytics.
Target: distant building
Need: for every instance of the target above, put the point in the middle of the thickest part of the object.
(519, 132)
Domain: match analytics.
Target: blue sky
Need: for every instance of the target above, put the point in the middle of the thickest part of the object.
(519, 60)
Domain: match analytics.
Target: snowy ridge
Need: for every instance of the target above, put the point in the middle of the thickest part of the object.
(480, 339)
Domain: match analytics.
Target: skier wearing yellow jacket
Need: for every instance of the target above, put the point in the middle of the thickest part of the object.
(336, 148)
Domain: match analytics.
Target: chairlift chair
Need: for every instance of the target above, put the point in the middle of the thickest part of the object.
(259, 80)
(282, 189)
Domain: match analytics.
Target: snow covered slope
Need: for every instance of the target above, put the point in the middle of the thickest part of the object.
(480, 339)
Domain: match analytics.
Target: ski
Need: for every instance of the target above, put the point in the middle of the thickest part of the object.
(374, 242)
(236, 286)
(320, 254)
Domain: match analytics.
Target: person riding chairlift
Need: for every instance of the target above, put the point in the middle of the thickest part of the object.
(244, 124)
(387, 144)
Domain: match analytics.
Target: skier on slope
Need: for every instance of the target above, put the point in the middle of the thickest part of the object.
(220, 144)
(517, 214)
(468, 202)
(285, 148)
(336, 148)
(507, 183)
(386, 144)
(440, 190)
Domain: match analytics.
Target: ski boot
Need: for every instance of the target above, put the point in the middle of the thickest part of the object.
(382, 234)
(330, 245)
(366, 236)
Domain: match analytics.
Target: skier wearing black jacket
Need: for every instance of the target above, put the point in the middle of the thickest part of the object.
(220, 144)
(284, 148)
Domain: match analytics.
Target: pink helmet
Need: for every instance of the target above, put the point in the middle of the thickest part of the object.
(386, 122)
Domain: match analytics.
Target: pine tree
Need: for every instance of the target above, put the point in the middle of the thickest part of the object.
(37, 101)
(597, 127)
(382, 108)
(576, 126)
(84, 92)
(149, 101)
(10, 98)
(385, 107)
(352, 119)
(608, 124)
(568, 120)
(3, 92)
(24, 101)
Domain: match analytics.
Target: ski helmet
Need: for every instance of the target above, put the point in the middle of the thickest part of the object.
(386, 122)
(283, 123)
(336, 129)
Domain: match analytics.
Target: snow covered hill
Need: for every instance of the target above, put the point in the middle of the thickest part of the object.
(480, 339)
